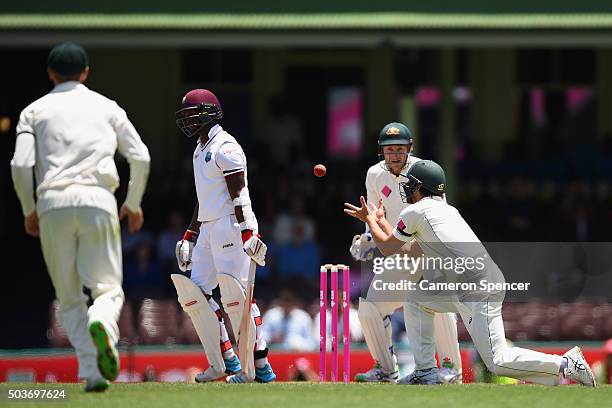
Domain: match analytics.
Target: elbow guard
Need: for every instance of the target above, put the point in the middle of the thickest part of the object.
(244, 201)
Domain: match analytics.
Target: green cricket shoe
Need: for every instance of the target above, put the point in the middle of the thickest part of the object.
(97, 385)
(108, 357)
(377, 374)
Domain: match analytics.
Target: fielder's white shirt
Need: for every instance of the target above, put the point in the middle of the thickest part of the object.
(435, 225)
(69, 137)
(381, 183)
(219, 157)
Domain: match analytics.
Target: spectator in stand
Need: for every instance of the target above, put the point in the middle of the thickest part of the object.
(354, 325)
(282, 134)
(287, 325)
(166, 243)
(297, 253)
(142, 273)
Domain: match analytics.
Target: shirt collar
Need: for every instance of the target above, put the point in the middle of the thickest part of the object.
(68, 86)
(214, 131)
(435, 198)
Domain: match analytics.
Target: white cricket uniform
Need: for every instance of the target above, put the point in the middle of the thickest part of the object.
(69, 137)
(441, 231)
(382, 184)
(219, 248)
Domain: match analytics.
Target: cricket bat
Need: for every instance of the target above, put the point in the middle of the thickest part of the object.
(245, 348)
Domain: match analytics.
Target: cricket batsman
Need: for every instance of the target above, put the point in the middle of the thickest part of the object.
(219, 245)
(68, 139)
(441, 232)
(383, 186)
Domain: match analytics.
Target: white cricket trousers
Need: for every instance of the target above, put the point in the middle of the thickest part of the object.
(82, 247)
(387, 302)
(218, 250)
(485, 325)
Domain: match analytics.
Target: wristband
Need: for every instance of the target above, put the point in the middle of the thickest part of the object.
(190, 236)
(246, 235)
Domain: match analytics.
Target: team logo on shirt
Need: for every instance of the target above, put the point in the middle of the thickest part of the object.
(386, 191)
(401, 226)
(207, 157)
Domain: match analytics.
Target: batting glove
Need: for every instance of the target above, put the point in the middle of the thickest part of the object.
(184, 249)
(254, 247)
(363, 247)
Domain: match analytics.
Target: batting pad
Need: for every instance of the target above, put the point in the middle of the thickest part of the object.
(447, 344)
(202, 316)
(233, 297)
(377, 336)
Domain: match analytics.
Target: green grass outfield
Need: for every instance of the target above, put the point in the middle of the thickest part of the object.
(287, 395)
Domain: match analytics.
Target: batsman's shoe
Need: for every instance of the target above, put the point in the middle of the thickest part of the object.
(378, 374)
(210, 374)
(96, 384)
(239, 378)
(450, 376)
(232, 365)
(264, 374)
(578, 369)
(108, 357)
(422, 377)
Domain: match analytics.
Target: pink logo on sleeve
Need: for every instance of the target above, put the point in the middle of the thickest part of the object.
(401, 225)
(386, 191)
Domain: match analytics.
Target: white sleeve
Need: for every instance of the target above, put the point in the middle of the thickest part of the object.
(135, 151)
(230, 158)
(23, 162)
(407, 224)
(371, 191)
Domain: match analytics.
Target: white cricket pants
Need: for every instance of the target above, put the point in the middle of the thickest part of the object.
(485, 325)
(82, 247)
(446, 342)
(219, 250)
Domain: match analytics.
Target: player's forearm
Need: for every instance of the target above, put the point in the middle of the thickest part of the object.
(139, 174)
(24, 187)
(381, 238)
(239, 193)
(194, 225)
(385, 226)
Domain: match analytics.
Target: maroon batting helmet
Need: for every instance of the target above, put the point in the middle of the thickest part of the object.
(198, 108)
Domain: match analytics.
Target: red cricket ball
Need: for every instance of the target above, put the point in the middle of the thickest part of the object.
(319, 170)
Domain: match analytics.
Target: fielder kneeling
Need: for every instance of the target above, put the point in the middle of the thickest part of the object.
(382, 184)
(440, 230)
(219, 246)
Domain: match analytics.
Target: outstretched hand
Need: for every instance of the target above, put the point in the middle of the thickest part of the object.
(364, 212)
(380, 210)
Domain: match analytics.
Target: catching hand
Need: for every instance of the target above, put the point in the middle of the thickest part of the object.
(362, 213)
(362, 247)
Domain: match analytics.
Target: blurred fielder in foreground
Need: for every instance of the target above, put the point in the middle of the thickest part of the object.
(220, 246)
(69, 137)
(383, 186)
(440, 231)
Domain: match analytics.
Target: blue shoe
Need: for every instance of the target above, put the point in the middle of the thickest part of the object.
(232, 366)
(264, 374)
